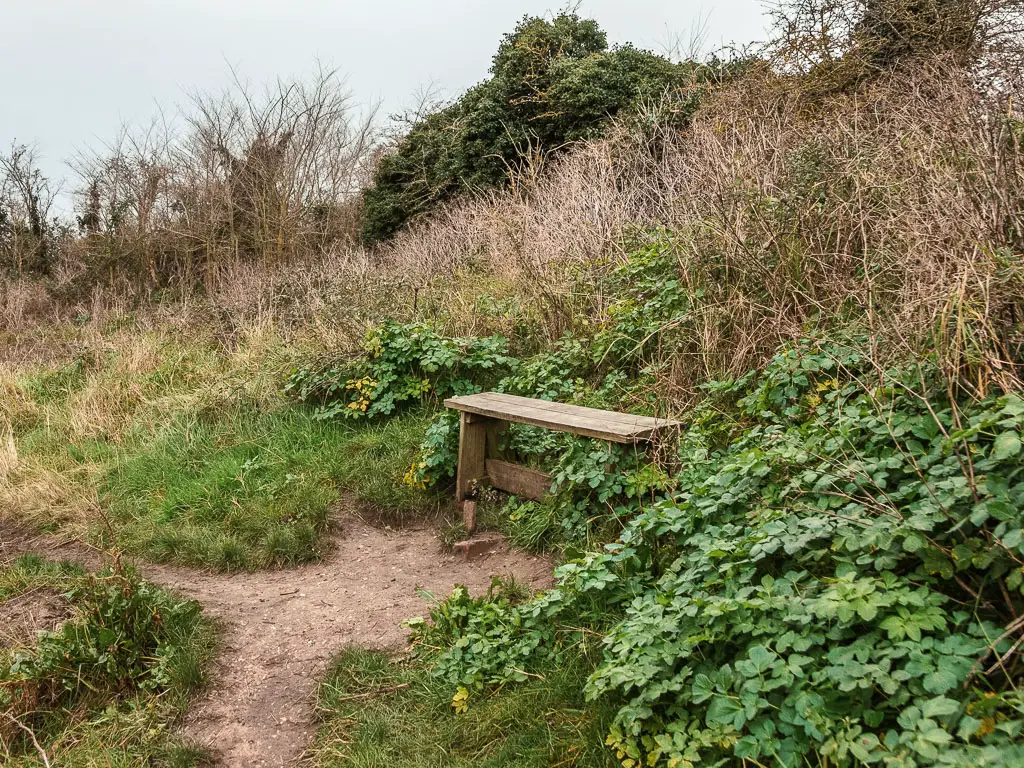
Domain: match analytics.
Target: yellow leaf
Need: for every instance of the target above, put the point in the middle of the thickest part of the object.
(460, 701)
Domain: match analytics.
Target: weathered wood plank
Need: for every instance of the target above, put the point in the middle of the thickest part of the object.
(472, 454)
(495, 430)
(612, 417)
(591, 422)
(518, 480)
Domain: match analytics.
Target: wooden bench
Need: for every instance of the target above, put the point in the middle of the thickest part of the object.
(485, 415)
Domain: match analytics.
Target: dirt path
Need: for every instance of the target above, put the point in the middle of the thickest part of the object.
(281, 627)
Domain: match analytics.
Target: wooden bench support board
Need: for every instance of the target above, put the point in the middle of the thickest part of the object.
(518, 480)
(472, 453)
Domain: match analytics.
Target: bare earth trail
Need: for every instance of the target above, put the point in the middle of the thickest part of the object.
(281, 627)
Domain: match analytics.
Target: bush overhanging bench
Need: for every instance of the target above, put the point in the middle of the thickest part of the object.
(485, 415)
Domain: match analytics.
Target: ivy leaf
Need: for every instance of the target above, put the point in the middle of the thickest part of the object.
(1013, 538)
(1006, 445)
(968, 727)
(1013, 406)
(747, 747)
(703, 688)
(863, 748)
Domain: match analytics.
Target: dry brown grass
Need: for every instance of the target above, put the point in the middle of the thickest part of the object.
(895, 208)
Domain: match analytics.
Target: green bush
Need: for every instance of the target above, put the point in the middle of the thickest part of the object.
(834, 577)
(606, 370)
(127, 638)
(403, 365)
(552, 83)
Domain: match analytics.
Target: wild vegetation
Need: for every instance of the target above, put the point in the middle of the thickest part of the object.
(810, 255)
(181, 454)
(553, 82)
(106, 686)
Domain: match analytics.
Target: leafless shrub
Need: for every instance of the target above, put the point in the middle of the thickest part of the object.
(839, 42)
(892, 206)
(897, 206)
(26, 197)
(244, 176)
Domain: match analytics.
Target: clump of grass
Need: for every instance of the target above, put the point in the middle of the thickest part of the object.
(245, 490)
(375, 458)
(531, 525)
(30, 572)
(105, 687)
(378, 711)
(451, 532)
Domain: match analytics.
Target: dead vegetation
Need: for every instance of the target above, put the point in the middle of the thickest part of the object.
(798, 195)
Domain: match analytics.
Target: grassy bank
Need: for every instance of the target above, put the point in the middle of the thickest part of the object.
(378, 711)
(187, 453)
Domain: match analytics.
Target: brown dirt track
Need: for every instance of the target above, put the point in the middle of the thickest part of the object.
(280, 628)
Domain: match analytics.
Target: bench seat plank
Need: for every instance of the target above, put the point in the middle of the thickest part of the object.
(561, 417)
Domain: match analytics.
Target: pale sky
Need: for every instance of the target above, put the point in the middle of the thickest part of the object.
(73, 71)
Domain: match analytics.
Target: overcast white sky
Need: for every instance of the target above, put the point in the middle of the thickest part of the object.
(73, 71)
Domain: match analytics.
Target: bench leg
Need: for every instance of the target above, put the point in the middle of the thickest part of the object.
(472, 453)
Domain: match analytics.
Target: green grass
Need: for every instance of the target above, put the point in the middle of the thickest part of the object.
(30, 572)
(538, 723)
(107, 688)
(250, 489)
(183, 453)
(375, 457)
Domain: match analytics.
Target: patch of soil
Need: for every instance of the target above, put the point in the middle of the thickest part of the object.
(22, 616)
(280, 628)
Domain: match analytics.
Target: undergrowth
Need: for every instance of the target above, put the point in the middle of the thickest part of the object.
(833, 575)
(825, 570)
(106, 687)
(369, 720)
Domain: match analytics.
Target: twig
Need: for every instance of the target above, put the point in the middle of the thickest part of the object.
(529, 674)
(371, 694)
(1011, 628)
(31, 735)
(1004, 657)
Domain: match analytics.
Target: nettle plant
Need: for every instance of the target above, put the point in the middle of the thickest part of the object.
(404, 364)
(836, 579)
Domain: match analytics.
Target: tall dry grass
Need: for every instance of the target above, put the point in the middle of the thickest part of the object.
(895, 207)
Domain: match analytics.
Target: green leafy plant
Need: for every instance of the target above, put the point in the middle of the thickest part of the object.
(605, 370)
(834, 575)
(130, 650)
(403, 364)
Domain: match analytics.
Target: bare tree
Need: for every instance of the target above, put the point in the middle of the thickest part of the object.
(26, 198)
(243, 176)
